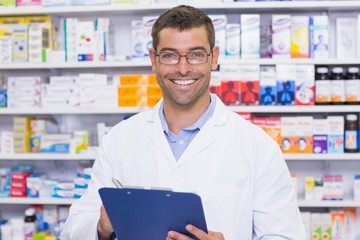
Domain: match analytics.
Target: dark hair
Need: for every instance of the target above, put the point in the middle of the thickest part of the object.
(183, 17)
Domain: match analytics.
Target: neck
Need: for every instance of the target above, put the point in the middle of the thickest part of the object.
(178, 117)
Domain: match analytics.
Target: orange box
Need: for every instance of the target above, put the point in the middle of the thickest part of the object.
(132, 101)
(133, 79)
(131, 91)
(153, 100)
(272, 127)
(154, 90)
(338, 225)
(152, 79)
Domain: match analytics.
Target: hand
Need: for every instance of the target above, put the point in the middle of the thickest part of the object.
(104, 227)
(200, 234)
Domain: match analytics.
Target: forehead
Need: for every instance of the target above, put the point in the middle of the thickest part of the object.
(172, 38)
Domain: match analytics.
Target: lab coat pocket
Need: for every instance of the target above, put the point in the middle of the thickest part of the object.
(222, 203)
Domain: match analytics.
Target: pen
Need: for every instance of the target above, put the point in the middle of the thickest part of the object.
(117, 183)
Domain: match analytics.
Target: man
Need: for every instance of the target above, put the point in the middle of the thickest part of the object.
(190, 142)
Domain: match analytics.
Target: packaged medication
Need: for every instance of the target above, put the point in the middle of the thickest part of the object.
(230, 84)
(320, 135)
(233, 44)
(322, 86)
(281, 37)
(336, 134)
(315, 226)
(304, 133)
(285, 82)
(305, 85)
(345, 38)
(250, 35)
(319, 36)
(309, 188)
(352, 86)
(326, 226)
(137, 41)
(147, 39)
(337, 86)
(299, 36)
(267, 85)
(357, 187)
(219, 22)
(289, 134)
(249, 77)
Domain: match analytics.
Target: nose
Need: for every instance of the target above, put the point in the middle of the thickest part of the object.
(183, 67)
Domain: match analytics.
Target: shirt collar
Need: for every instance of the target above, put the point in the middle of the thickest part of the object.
(198, 124)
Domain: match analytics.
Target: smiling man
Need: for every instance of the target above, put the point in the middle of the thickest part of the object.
(191, 142)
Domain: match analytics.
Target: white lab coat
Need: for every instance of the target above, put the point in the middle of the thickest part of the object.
(236, 168)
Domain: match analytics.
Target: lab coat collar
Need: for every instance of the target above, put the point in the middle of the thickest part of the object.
(207, 136)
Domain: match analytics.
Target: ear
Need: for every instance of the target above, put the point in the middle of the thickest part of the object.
(152, 55)
(215, 58)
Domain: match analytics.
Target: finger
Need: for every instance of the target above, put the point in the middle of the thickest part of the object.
(172, 235)
(216, 235)
(200, 234)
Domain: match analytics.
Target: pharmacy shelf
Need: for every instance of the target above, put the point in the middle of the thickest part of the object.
(134, 110)
(53, 111)
(69, 201)
(76, 157)
(235, 7)
(47, 156)
(145, 62)
(322, 157)
(344, 203)
(297, 109)
(46, 201)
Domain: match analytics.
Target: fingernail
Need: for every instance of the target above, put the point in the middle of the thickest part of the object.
(171, 234)
(189, 227)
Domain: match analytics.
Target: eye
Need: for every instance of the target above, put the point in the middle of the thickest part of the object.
(196, 54)
(168, 55)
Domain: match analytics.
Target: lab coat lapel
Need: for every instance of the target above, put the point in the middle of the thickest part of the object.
(155, 133)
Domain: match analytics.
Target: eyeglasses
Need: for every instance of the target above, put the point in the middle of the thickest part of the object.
(172, 58)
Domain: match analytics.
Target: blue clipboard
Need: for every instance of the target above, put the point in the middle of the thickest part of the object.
(139, 214)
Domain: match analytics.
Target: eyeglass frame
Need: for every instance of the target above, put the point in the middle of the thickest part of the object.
(184, 55)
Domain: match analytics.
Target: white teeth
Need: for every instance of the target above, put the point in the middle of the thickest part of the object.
(184, 82)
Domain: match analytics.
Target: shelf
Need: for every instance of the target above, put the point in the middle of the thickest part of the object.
(134, 110)
(296, 109)
(69, 201)
(234, 7)
(145, 62)
(344, 203)
(49, 201)
(76, 157)
(322, 157)
(47, 156)
(43, 111)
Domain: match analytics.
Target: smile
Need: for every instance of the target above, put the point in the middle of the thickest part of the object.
(183, 82)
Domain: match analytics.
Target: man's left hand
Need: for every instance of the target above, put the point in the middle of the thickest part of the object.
(198, 233)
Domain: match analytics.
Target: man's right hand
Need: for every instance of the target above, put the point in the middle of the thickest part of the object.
(104, 227)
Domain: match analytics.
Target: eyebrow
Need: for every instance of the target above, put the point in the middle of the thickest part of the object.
(176, 50)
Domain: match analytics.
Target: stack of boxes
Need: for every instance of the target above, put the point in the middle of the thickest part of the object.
(24, 92)
(22, 134)
(138, 91)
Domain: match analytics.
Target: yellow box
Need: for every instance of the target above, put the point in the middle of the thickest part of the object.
(12, 20)
(21, 124)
